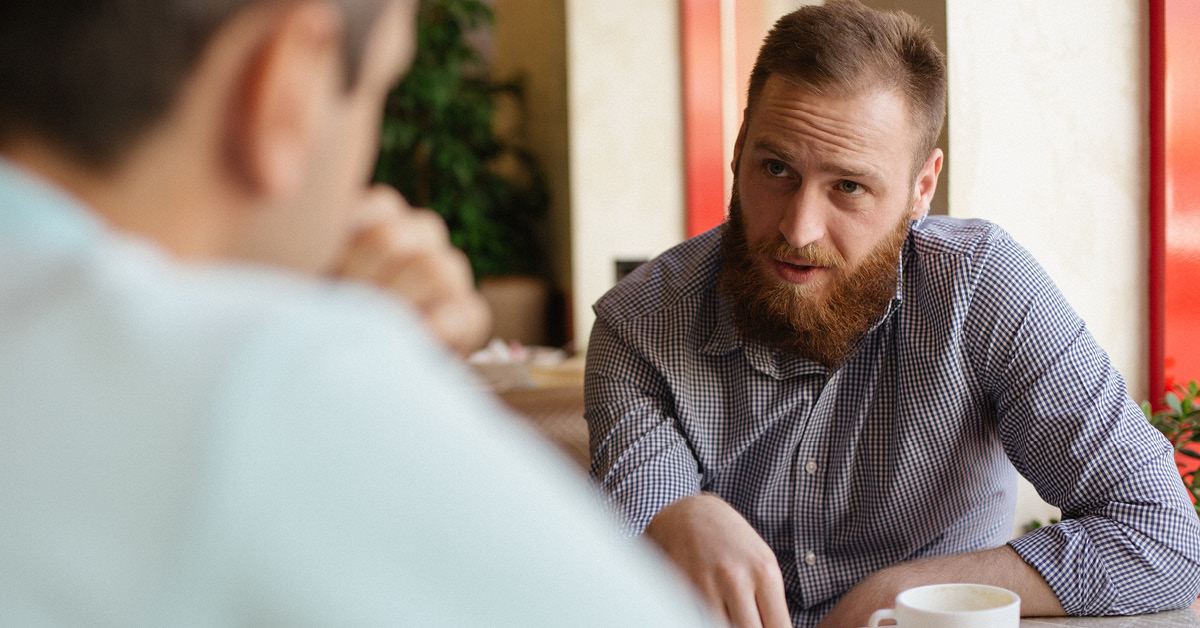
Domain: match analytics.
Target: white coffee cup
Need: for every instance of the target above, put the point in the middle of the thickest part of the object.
(953, 606)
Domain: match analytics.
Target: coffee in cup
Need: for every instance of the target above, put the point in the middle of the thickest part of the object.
(953, 606)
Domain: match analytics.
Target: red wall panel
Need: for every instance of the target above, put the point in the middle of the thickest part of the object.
(700, 34)
(1174, 196)
(1182, 192)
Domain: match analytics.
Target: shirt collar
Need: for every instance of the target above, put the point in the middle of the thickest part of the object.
(33, 207)
(724, 337)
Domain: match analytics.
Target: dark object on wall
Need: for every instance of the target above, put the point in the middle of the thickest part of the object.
(626, 266)
(440, 148)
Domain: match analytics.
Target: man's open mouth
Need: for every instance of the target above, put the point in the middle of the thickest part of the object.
(796, 266)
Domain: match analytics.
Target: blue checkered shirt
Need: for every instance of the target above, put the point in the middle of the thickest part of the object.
(977, 370)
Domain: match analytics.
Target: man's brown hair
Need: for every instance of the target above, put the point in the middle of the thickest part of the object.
(92, 75)
(843, 49)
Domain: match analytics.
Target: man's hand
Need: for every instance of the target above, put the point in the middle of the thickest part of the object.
(731, 565)
(407, 252)
(1001, 567)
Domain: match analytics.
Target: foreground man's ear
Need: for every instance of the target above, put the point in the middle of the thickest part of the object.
(926, 184)
(291, 79)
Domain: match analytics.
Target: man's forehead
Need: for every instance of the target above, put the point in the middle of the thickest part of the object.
(782, 89)
(866, 119)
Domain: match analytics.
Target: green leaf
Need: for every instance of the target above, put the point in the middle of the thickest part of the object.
(438, 144)
(1173, 402)
(1189, 453)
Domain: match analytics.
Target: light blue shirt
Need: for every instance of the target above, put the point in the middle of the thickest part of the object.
(221, 445)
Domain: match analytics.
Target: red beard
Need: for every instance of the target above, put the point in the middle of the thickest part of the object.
(787, 317)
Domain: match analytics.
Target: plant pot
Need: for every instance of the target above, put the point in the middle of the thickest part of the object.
(519, 307)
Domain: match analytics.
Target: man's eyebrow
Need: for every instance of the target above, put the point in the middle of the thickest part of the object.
(847, 171)
(840, 169)
(782, 153)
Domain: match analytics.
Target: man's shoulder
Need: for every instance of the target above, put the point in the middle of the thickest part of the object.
(237, 299)
(944, 235)
(988, 252)
(133, 318)
(267, 319)
(676, 279)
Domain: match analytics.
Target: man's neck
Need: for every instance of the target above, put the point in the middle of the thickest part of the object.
(147, 195)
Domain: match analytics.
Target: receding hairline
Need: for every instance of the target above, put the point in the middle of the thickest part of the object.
(844, 48)
(867, 89)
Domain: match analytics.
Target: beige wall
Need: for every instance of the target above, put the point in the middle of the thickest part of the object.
(626, 153)
(1049, 139)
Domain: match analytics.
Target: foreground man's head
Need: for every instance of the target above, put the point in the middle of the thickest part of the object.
(836, 155)
(219, 128)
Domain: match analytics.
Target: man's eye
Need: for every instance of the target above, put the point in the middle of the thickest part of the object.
(849, 187)
(776, 169)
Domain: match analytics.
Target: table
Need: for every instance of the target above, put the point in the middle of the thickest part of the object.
(557, 413)
(1185, 617)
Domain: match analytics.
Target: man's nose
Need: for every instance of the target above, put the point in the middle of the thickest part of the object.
(803, 220)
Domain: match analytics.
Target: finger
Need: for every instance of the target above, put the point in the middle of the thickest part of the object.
(741, 606)
(379, 203)
(712, 598)
(412, 228)
(366, 254)
(772, 603)
(385, 227)
(379, 206)
(738, 593)
(419, 230)
(376, 251)
(429, 279)
(462, 325)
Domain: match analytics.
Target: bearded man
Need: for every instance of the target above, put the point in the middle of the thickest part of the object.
(827, 399)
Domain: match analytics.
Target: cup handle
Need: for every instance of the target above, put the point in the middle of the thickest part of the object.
(883, 613)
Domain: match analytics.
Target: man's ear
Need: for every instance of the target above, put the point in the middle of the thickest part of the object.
(739, 144)
(291, 79)
(926, 184)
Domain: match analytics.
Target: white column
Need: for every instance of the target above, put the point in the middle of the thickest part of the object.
(1049, 138)
(626, 147)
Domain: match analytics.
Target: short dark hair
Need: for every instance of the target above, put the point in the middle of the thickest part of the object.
(93, 75)
(843, 48)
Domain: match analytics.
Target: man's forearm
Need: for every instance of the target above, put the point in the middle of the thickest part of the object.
(1001, 567)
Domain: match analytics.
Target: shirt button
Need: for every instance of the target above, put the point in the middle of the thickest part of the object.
(810, 558)
(810, 467)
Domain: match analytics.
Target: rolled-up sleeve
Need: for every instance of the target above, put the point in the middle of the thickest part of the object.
(640, 456)
(1129, 541)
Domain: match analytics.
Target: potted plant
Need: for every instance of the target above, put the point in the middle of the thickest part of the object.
(441, 146)
(1179, 421)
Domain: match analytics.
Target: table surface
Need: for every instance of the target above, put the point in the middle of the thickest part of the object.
(1185, 617)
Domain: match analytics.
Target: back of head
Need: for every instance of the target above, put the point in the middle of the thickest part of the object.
(91, 76)
(843, 48)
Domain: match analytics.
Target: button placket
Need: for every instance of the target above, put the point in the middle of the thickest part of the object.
(810, 523)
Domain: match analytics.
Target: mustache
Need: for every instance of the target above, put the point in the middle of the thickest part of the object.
(813, 254)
